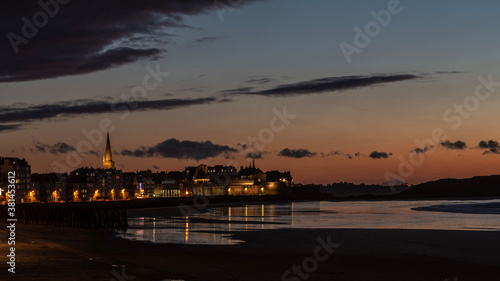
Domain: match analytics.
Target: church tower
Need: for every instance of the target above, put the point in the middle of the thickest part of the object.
(107, 159)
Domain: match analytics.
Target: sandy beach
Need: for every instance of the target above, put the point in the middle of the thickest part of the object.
(62, 253)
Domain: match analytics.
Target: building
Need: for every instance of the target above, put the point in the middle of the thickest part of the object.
(219, 180)
(107, 159)
(82, 183)
(109, 181)
(51, 187)
(284, 179)
(24, 190)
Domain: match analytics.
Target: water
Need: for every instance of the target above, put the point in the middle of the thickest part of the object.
(215, 225)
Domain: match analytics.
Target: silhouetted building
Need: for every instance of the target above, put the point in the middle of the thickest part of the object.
(226, 180)
(51, 187)
(109, 184)
(22, 170)
(284, 179)
(82, 184)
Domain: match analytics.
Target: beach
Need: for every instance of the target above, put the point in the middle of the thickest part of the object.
(64, 253)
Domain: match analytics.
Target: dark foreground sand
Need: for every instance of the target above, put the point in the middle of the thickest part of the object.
(57, 253)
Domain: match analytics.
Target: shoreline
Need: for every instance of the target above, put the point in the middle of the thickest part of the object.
(171, 210)
(364, 254)
(51, 253)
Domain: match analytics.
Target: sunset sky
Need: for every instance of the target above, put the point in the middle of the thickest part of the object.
(231, 69)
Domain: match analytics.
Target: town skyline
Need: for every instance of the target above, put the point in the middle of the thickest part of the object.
(198, 83)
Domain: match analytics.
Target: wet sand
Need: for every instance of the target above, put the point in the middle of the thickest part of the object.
(61, 253)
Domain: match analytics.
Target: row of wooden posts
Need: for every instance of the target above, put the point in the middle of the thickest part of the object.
(69, 214)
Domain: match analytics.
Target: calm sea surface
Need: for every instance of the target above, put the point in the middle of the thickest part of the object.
(214, 225)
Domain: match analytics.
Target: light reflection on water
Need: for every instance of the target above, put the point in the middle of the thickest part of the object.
(214, 226)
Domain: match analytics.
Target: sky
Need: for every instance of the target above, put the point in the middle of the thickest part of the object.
(357, 91)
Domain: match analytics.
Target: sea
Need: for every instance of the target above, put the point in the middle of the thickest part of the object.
(214, 226)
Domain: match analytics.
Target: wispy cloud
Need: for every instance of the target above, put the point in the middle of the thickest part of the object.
(317, 86)
(88, 107)
(419, 150)
(255, 155)
(332, 153)
(9, 127)
(260, 81)
(58, 148)
(207, 39)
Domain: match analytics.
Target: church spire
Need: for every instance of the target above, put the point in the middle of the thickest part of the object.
(107, 160)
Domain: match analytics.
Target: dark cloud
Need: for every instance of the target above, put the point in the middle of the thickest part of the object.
(379, 155)
(259, 80)
(333, 153)
(296, 153)
(255, 155)
(88, 106)
(91, 152)
(448, 72)
(156, 167)
(491, 146)
(357, 154)
(225, 100)
(173, 148)
(207, 39)
(242, 146)
(419, 150)
(329, 84)
(85, 36)
(58, 148)
(237, 91)
(9, 127)
(453, 145)
(192, 89)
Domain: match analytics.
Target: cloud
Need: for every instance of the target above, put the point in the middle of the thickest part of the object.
(296, 153)
(448, 72)
(379, 155)
(173, 148)
(460, 145)
(87, 36)
(357, 154)
(156, 167)
(58, 148)
(255, 155)
(225, 100)
(91, 152)
(264, 80)
(9, 127)
(317, 86)
(88, 107)
(419, 150)
(491, 146)
(207, 39)
(237, 91)
(333, 153)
